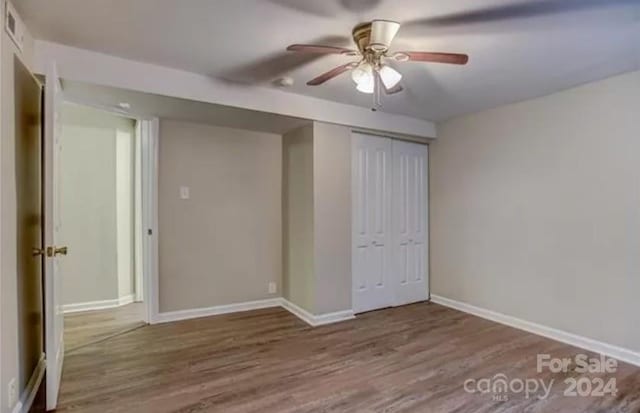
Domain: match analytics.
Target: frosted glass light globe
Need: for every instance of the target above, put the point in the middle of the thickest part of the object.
(363, 77)
(389, 76)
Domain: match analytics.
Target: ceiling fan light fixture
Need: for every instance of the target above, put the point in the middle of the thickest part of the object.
(362, 73)
(365, 87)
(389, 76)
(382, 34)
(363, 77)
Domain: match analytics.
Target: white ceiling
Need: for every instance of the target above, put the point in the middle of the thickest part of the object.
(146, 105)
(518, 49)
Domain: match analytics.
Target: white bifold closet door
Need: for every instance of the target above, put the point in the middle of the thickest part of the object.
(372, 235)
(409, 222)
(390, 250)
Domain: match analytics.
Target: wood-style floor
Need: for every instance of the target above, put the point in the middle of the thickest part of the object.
(87, 327)
(408, 359)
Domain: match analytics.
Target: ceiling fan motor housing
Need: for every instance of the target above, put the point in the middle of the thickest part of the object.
(375, 35)
(382, 34)
(361, 34)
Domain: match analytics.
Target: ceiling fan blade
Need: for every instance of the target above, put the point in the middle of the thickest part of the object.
(274, 66)
(320, 49)
(315, 8)
(451, 58)
(328, 8)
(516, 10)
(331, 74)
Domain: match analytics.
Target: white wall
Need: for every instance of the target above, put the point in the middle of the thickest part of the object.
(96, 205)
(224, 244)
(535, 210)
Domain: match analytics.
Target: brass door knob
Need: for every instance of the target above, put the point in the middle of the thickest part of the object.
(37, 251)
(53, 251)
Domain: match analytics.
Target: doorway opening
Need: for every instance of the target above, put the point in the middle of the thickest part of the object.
(99, 207)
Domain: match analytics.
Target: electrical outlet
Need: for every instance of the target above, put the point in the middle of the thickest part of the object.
(184, 192)
(12, 393)
(272, 288)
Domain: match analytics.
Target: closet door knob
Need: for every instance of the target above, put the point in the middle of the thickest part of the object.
(53, 251)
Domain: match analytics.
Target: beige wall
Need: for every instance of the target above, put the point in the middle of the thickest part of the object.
(247, 191)
(332, 211)
(91, 217)
(224, 244)
(124, 183)
(535, 210)
(9, 365)
(317, 217)
(297, 208)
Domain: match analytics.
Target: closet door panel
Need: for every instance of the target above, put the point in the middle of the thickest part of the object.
(371, 181)
(409, 220)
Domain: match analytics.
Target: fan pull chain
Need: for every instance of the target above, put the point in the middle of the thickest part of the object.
(377, 101)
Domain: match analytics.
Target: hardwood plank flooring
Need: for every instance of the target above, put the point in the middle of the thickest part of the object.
(87, 327)
(408, 359)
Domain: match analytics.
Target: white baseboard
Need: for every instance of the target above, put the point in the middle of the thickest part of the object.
(216, 310)
(127, 299)
(30, 392)
(606, 349)
(298, 311)
(98, 305)
(316, 320)
(311, 319)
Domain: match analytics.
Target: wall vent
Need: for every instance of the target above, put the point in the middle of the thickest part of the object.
(14, 25)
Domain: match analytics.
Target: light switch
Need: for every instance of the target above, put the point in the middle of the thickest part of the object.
(184, 192)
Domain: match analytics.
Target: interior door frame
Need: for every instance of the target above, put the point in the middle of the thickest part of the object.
(410, 139)
(150, 156)
(150, 130)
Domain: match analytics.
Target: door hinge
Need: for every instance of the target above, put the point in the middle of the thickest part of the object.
(149, 231)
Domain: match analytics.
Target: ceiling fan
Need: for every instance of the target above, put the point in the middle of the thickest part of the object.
(371, 73)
